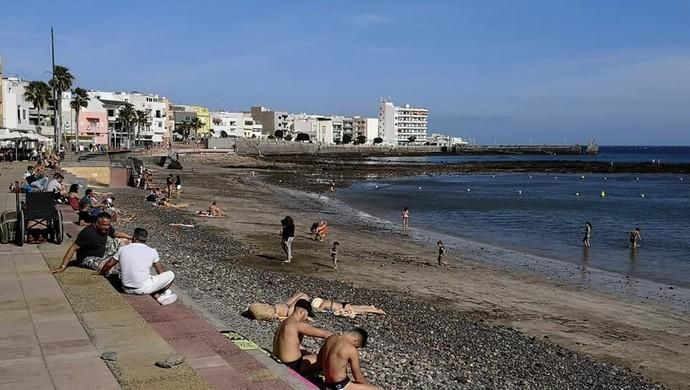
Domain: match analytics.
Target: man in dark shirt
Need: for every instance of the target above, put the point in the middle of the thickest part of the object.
(94, 245)
(287, 236)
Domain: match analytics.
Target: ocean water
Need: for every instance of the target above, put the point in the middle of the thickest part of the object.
(543, 214)
(630, 154)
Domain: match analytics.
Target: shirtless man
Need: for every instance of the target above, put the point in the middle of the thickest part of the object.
(288, 339)
(337, 353)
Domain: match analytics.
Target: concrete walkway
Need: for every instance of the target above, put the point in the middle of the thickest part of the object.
(53, 329)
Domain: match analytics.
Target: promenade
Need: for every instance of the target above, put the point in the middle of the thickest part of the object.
(54, 329)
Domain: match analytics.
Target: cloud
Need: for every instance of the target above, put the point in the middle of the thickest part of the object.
(368, 19)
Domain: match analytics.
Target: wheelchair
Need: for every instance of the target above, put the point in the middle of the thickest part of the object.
(38, 210)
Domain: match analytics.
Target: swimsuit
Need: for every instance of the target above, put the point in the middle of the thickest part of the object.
(338, 385)
(296, 365)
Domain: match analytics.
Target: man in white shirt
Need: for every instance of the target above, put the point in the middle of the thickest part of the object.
(55, 184)
(135, 261)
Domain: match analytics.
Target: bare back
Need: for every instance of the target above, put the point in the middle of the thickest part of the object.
(286, 342)
(334, 358)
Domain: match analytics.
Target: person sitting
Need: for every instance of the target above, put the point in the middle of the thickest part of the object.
(85, 216)
(73, 197)
(89, 197)
(319, 230)
(288, 338)
(94, 245)
(344, 309)
(337, 353)
(29, 174)
(136, 259)
(153, 195)
(212, 211)
(164, 202)
(55, 186)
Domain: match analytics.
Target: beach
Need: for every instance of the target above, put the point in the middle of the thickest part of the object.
(476, 324)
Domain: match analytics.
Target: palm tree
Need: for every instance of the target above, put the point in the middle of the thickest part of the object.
(80, 99)
(127, 117)
(62, 81)
(183, 129)
(38, 93)
(142, 120)
(195, 124)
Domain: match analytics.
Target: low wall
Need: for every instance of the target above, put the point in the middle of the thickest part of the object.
(95, 176)
(254, 147)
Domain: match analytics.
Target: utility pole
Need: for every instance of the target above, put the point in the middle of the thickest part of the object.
(57, 133)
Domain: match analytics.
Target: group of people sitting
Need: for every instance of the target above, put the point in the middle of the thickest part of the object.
(101, 248)
(338, 352)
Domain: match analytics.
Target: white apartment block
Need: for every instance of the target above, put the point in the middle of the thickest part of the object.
(235, 124)
(399, 124)
(19, 114)
(155, 106)
(319, 128)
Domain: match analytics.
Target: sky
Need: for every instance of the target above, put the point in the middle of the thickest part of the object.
(494, 71)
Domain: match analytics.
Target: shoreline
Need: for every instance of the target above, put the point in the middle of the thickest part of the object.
(493, 297)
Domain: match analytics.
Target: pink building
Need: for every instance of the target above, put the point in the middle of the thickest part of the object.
(93, 125)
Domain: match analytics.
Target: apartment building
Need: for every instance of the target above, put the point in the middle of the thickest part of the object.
(366, 127)
(235, 124)
(319, 128)
(402, 125)
(19, 114)
(271, 121)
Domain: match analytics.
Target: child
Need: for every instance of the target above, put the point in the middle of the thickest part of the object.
(441, 253)
(334, 255)
(406, 218)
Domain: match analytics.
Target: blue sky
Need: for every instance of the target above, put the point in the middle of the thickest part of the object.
(507, 71)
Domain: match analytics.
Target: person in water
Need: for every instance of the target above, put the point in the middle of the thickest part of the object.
(406, 218)
(587, 230)
(635, 238)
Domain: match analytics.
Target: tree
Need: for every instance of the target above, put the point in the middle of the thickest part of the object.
(223, 134)
(288, 137)
(62, 81)
(361, 139)
(278, 134)
(38, 94)
(302, 137)
(183, 129)
(127, 117)
(378, 140)
(142, 121)
(411, 139)
(80, 99)
(347, 138)
(195, 124)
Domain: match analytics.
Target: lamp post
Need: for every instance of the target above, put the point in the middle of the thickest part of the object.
(57, 133)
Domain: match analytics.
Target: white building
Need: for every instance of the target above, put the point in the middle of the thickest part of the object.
(402, 125)
(445, 140)
(271, 121)
(366, 127)
(155, 106)
(235, 124)
(19, 114)
(319, 128)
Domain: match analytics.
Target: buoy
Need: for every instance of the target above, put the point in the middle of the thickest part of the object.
(376, 186)
(603, 194)
(641, 195)
(582, 177)
(606, 178)
(530, 176)
(681, 179)
(637, 178)
(280, 181)
(468, 190)
(577, 194)
(494, 176)
(520, 192)
(555, 177)
(420, 188)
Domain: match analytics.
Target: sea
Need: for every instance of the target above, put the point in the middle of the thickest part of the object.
(544, 214)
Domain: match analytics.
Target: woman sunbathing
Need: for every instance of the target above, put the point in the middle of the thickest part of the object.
(163, 202)
(213, 211)
(281, 311)
(344, 309)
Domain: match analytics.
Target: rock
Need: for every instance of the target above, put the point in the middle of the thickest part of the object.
(109, 356)
(170, 361)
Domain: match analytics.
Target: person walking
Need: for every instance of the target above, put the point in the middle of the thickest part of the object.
(587, 235)
(635, 238)
(405, 218)
(441, 253)
(287, 234)
(334, 255)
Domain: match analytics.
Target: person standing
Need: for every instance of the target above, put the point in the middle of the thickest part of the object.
(178, 185)
(169, 182)
(287, 236)
(406, 218)
(587, 234)
(334, 255)
(441, 253)
(635, 238)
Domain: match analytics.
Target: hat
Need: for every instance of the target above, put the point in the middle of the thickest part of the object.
(316, 303)
(304, 304)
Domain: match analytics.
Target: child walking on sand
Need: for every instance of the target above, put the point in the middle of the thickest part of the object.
(441, 253)
(334, 254)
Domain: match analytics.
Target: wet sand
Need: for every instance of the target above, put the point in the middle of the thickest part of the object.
(638, 325)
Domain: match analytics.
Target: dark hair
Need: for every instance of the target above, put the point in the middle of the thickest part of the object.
(336, 243)
(287, 221)
(88, 191)
(58, 175)
(405, 208)
(362, 334)
(439, 242)
(304, 304)
(140, 234)
(103, 215)
(74, 188)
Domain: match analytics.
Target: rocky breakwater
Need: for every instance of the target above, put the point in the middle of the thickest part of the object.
(417, 345)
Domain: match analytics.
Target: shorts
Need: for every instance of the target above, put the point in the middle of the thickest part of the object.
(154, 284)
(92, 262)
(338, 385)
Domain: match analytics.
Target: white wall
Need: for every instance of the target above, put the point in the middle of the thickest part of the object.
(15, 110)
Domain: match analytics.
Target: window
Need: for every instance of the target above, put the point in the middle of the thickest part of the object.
(111, 112)
(24, 114)
(160, 124)
(158, 113)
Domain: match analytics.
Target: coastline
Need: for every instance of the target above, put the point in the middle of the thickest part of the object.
(489, 295)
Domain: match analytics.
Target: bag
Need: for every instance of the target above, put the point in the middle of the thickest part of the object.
(262, 311)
